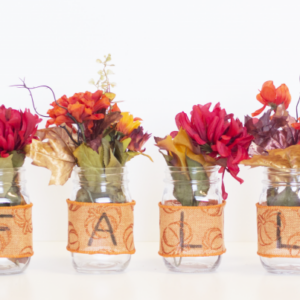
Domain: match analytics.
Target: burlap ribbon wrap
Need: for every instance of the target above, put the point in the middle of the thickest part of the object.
(100, 228)
(191, 231)
(16, 231)
(278, 231)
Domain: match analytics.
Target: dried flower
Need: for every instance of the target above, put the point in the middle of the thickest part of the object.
(138, 139)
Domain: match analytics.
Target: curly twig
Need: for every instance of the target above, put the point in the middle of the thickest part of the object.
(67, 114)
(24, 86)
(297, 109)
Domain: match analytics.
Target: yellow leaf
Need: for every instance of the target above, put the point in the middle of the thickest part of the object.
(278, 158)
(182, 139)
(168, 145)
(110, 96)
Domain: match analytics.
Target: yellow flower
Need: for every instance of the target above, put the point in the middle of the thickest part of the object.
(180, 147)
(127, 124)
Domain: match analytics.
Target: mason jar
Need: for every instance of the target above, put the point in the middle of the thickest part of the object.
(96, 185)
(281, 190)
(13, 192)
(194, 186)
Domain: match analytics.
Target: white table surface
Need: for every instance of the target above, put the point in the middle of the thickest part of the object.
(50, 275)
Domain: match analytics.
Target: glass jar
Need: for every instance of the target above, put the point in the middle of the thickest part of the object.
(281, 188)
(194, 186)
(107, 185)
(13, 192)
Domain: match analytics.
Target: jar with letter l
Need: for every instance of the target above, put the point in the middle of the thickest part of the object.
(191, 220)
(278, 221)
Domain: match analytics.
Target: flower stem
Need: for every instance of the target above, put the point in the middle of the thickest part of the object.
(82, 132)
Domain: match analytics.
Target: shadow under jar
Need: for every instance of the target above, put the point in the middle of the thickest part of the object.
(12, 193)
(95, 185)
(190, 187)
(279, 228)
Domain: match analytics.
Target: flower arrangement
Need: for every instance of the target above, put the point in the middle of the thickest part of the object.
(207, 138)
(17, 131)
(87, 130)
(276, 142)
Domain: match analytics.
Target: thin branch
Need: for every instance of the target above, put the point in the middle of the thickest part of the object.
(48, 87)
(297, 109)
(24, 86)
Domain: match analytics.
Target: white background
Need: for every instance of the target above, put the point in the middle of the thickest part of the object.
(169, 55)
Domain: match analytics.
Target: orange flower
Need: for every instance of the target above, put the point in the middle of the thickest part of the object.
(296, 126)
(127, 124)
(83, 107)
(270, 96)
(115, 108)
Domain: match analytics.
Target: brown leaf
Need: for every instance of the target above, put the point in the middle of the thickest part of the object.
(54, 151)
(272, 132)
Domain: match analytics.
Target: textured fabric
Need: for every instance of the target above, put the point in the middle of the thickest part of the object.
(278, 231)
(16, 231)
(191, 230)
(100, 228)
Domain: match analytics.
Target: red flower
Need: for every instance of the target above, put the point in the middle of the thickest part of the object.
(83, 107)
(138, 139)
(17, 129)
(270, 96)
(219, 135)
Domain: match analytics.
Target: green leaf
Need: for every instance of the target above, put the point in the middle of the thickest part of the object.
(106, 150)
(201, 185)
(132, 154)
(125, 143)
(18, 159)
(9, 177)
(120, 154)
(6, 162)
(99, 61)
(114, 179)
(113, 162)
(87, 157)
(183, 191)
(287, 197)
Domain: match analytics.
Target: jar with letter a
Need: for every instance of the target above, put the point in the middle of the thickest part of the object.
(192, 220)
(278, 221)
(100, 225)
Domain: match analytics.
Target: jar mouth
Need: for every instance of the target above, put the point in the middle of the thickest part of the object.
(286, 176)
(192, 175)
(110, 171)
(101, 176)
(194, 169)
(282, 172)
